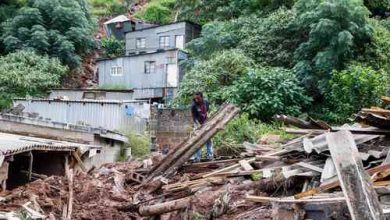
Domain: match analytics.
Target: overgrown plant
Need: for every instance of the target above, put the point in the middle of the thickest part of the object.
(139, 145)
(58, 28)
(267, 91)
(25, 73)
(113, 47)
(158, 11)
(352, 89)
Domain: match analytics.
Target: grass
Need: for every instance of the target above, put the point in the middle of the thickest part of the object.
(113, 86)
(242, 129)
(139, 145)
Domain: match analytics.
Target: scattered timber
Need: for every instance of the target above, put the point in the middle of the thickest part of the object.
(360, 195)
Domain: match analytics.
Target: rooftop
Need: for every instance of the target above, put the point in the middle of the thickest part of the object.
(177, 22)
(13, 144)
(120, 18)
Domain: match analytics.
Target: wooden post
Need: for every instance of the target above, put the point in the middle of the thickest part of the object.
(360, 195)
(165, 207)
(30, 166)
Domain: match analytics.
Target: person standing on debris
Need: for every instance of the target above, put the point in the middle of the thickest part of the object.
(199, 110)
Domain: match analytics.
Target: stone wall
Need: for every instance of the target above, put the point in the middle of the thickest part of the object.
(169, 127)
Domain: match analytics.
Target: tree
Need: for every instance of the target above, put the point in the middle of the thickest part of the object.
(113, 47)
(59, 28)
(269, 40)
(351, 89)
(27, 73)
(213, 76)
(338, 32)
(267, 91)
(215, 36)
(158, 11)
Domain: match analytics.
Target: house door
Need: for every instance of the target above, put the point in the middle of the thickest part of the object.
(172, 75)
(179, 40)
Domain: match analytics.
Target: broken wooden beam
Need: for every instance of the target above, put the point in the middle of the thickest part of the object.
(245, 165)
(264, 199)
(362, 200)
(160, 208)
(197, 140)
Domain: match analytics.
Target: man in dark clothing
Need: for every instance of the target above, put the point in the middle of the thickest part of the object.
(199, 110)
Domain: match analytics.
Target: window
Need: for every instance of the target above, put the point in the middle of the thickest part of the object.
(171, 60)
(116, 71)
(179, 41)
(141, 43)
(164, 41)
(150, 67)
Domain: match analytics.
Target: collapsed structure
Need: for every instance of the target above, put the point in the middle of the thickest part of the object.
(295, 179)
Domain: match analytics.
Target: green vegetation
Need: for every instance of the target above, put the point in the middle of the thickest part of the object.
(113, 87)
(58, 28)
(264, 92)
(322, 57)
(243, 128)
(139, 145)
(26, 73)
(158, 11)
(112, 47)
(109, 7)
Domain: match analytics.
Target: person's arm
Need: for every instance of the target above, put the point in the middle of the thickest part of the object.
(194, 113)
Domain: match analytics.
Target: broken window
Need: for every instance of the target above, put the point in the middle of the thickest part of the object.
(164, 41)
(150, 67)
(141, 43)
(116, 71)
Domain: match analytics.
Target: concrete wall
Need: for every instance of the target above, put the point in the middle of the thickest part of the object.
(112, 115)
(152, 36)
(169, 127)
(100, 94)
(134, 76)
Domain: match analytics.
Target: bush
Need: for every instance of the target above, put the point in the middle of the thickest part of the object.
(242, 129)
(352, 89)
(113, 47)
(139, 145)
(267, 91)
(25, 73)
(58, 28)
(213, 76)
(157, 11)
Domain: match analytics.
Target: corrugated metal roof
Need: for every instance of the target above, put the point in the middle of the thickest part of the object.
(120, 18)
(12, 144)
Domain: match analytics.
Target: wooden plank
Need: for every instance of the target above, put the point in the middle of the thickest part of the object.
(245, 165)
(386, 99)
(362, 200)
(165, 207)
(378, 111)
(79, 161)
(370, 130)
(309, 166)
(264, 199)
(335, 183)
(267, 158)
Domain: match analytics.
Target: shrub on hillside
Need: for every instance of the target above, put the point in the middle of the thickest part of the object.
(25, 73)
(213, 76)
(352, 89)
(267, 91)
(112, 47)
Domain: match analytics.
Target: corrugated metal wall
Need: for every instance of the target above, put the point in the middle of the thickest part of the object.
(78, 94)
(121, 116)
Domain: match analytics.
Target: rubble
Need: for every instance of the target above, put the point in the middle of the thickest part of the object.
(323, 173)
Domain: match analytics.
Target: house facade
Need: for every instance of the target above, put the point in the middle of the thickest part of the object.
(150, 66)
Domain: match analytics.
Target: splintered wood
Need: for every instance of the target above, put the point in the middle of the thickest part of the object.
(198, 139)
(361, 197)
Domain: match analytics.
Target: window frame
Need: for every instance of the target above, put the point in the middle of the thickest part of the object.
(149, 67)
(166, 41)
(116, 71)
(140, 43)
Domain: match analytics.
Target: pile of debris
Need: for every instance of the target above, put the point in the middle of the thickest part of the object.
(325, 173)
